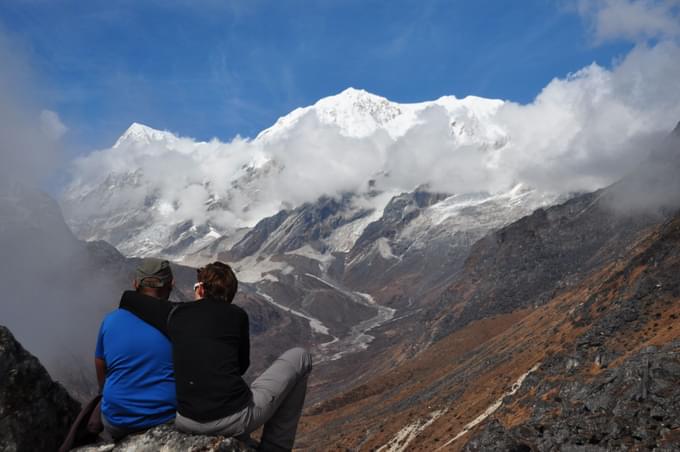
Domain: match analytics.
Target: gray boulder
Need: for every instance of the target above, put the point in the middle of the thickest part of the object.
(35, 412)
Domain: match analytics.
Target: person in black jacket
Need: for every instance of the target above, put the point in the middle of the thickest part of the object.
(211, 352)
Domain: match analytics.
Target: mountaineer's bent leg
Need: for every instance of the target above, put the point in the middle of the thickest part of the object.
(278, 397)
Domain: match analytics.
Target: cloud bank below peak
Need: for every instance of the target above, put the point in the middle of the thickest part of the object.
(580, 133)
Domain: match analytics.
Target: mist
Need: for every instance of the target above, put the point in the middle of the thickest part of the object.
(54, 289)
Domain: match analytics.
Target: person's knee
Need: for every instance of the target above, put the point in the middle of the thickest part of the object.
(300, 358)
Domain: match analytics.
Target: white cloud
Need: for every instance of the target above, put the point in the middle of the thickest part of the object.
(633, 20)
(587, 130)
(51, 124)
(581, 132)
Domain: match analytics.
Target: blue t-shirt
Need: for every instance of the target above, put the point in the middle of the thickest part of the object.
(139, 390)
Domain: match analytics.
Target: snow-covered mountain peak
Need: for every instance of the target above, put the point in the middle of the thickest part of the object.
(358, 114)
(351, 95)
(357, 100)
(141, 134)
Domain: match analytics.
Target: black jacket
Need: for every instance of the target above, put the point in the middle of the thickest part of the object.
(211, 351)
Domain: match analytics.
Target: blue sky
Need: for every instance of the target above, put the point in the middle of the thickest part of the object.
(216, 69)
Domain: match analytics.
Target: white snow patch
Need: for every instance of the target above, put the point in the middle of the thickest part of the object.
(384, 248)
(325, 260)
(492, 408)
(251, 269)
(407, 434)
(344, 237)
(213, 234)
(452, 206)
(368, 298)
(315, 324)
(331, 285)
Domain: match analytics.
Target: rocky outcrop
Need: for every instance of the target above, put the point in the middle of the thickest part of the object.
(166, 438)
(635, 406)
(35, 412)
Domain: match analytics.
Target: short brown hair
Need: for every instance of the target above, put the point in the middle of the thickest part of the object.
(218, 281)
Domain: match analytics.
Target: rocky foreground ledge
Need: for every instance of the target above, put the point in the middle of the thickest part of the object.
(36, 413)
(165, 438)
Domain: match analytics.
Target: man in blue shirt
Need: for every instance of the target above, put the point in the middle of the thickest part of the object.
(134, 361)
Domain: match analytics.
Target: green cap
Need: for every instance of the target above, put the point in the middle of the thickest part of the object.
(153, 272)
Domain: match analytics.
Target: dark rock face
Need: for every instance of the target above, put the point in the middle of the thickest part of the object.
(288, 230)
(399, 212)
(526, 263)
(165, 437)
(368, 269)
(256, 237)
(35, 412)
(635, 406)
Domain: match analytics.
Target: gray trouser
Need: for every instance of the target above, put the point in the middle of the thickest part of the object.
(116, 432)
(278, 397)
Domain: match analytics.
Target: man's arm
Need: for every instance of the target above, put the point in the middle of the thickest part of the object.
(244, 345)
(100, 367)
(152, 310)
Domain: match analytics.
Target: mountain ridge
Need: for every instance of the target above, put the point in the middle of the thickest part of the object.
(126, 205)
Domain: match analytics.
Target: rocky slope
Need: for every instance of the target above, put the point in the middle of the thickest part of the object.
(632, 406)
(590, 351)
(617, 386)
(565, 314)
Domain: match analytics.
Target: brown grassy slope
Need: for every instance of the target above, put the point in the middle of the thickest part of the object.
(466, 372)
